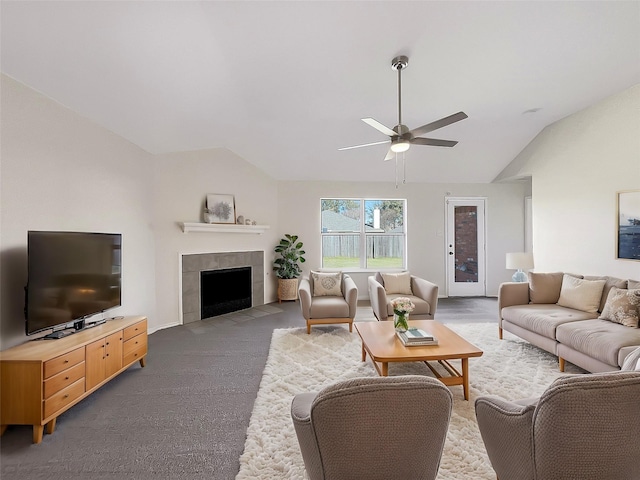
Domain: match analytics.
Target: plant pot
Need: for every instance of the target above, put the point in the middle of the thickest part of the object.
(287, 289)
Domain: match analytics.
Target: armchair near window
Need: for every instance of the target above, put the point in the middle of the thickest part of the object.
(582, 427)
(355, 429)
(336, 304)
(422, 293)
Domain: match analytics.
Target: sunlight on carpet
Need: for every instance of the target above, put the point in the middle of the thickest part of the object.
(297, 362)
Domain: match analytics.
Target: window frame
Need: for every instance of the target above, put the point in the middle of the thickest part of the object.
(363, 235)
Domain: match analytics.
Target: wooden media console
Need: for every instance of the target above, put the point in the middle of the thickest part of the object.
(41, 379)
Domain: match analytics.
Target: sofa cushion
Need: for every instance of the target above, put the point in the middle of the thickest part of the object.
(325, 283)
(581, 294)
(329, 307)
(543, 319)
(599, 339)
(623, 306)
(397, 283)
(544, 287)
(422, 306)
(610, 282)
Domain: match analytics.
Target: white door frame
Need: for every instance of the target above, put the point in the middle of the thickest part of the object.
(464, 289)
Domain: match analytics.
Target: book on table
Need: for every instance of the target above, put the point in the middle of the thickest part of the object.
(416, 337)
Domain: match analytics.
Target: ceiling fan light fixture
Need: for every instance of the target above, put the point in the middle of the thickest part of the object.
(400, 146)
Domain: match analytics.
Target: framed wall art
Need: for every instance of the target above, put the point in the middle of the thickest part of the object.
(221, 208)
(628, 241)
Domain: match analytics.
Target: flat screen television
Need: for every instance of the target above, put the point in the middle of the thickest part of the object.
(71, 276)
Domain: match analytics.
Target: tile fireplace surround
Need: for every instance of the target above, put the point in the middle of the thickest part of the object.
(193, 264)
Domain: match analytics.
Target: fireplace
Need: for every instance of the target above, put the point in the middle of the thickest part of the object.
(233, 263)
(224, 290)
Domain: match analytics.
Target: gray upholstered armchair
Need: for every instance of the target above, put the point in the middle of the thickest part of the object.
(376, 428)
(318, 307)
(582, 427)
(422, 293)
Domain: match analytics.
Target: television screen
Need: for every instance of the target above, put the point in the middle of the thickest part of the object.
(72, 275)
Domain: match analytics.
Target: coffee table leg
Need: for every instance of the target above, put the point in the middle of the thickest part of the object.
(364, 353)
(385, 369)
(465, 377)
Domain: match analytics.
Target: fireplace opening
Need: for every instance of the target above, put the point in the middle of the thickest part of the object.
(224, 291)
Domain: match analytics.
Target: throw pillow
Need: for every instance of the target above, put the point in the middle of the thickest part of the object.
(610, 283)
(632, 361)
(580, 294)
(327, 284)
(544, 287)
(622, 307)
(633, 284)
(397, 283)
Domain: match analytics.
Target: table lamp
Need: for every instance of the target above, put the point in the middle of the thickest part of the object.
(520, 261)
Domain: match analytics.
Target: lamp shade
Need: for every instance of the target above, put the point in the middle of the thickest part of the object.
(520, 261)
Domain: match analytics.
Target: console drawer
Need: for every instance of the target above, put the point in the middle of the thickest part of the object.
(63, 379)
(133, 330)
(58, 364)
(63, 398)
(135, 354)
(134, 344)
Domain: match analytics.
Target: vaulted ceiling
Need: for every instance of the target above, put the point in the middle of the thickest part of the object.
(285, 84)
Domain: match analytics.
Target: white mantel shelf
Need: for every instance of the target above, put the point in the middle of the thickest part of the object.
(223, 228)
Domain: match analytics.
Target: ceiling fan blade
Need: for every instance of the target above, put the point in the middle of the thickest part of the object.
(434, 142)
(364, 145)
(380, 127)
(443, 122)
(389, 156)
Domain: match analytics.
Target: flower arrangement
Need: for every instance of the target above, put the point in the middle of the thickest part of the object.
(402, 306)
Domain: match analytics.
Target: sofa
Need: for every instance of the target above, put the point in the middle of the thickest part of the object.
(421, 292)
(589, 321)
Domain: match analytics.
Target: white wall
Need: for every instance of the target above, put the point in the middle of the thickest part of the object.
(60, 171)
(299, 207)
(181, 182)
(578, 164)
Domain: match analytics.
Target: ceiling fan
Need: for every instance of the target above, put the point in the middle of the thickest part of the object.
(400, 137)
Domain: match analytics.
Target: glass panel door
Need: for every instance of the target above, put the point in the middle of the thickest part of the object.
(465, 247)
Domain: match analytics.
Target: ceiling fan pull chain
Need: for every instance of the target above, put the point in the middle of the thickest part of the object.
(404, 170)
(396, 170)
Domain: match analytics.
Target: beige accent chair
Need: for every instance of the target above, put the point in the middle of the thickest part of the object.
(375, 428)
(582, 427)
(328, 309)
(424, 296)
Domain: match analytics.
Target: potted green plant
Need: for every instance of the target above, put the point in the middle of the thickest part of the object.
(287, 266)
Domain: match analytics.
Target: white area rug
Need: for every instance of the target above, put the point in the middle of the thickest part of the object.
(297, 362)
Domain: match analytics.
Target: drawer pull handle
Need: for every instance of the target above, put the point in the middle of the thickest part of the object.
(66, 396)
(66, 378)
(66, 361)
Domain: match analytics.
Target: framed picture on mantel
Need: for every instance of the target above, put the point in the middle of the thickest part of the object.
(628, 242)
(221, 208)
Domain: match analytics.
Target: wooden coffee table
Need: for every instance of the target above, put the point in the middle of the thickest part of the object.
(379, 340)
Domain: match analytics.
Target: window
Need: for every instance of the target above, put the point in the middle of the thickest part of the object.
(363, 233)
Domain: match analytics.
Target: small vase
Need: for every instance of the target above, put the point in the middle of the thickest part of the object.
(400, 322)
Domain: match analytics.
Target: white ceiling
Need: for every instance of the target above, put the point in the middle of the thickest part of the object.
(285, 84)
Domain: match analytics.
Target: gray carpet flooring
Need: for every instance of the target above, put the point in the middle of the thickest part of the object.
(185, 414)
